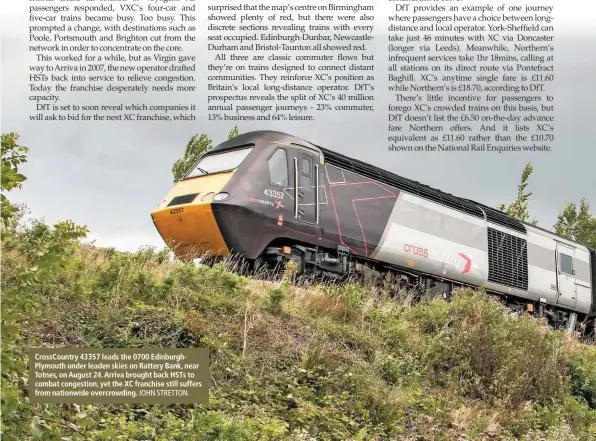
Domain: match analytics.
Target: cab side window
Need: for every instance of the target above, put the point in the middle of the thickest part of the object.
(278, 168)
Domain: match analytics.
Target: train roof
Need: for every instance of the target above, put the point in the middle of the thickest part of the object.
(263, 136)
(381, 175)
(424, 191)
(362, 168)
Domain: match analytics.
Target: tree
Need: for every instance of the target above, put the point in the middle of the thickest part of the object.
(41, 258)
(196, 146)
(579, 226)
(13, 155)
(233, 133)
(519, 208)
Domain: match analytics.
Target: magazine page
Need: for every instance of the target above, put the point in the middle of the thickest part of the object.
(306, 220)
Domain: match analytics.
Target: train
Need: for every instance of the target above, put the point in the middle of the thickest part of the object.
(271, 197)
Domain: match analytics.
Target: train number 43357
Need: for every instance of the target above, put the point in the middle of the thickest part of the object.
(274, 194)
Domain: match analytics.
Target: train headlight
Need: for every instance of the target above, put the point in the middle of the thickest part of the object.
(207, 197)
(221, 196)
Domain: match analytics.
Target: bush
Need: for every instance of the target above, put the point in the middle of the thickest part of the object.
(491, 354)
(582, 369)
(397, 370)
(273, 302)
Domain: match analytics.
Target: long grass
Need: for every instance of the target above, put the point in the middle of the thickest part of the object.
(299, 360)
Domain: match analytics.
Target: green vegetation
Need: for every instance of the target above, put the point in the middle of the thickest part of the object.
(196, 146)
(579, 226)
(287, 362)
(519, 208)
(13, 155)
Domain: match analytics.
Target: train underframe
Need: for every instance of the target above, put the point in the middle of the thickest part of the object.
(340, 266)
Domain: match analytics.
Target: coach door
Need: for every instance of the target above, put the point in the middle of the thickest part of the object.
(306, 182)
(566, 275)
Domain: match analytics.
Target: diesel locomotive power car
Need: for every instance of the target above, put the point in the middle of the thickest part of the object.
(269, 196)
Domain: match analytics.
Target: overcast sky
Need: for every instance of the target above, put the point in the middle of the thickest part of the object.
(110, 176)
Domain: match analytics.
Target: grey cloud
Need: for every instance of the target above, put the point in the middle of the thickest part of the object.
(110, 176)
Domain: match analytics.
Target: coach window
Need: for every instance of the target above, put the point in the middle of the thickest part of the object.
(278, 168)
(566, 264)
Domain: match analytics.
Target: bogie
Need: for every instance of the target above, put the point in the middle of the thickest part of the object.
(340, 267)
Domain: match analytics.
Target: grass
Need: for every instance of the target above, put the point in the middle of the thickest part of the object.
(297, 363)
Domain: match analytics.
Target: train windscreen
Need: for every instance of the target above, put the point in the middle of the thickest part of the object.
(219, 162)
